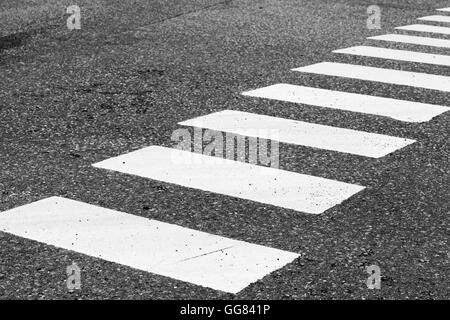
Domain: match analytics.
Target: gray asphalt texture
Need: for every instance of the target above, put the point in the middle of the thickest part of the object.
(69, 99)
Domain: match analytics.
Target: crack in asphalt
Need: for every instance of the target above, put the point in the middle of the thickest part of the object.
(207, 253)
(225, 2)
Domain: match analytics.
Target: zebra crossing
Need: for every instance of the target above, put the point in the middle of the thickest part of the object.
(390, 76)
(221, 263)
(401, 110)
(234, 178)
(436, 18)
(302, 133)
(425, 28)
(162, 248)
(415, 40)
(399, 55)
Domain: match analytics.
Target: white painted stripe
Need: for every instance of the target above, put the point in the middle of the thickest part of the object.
(161, 248)
(435, 18)
(401, 55)
(233, 178)
(444, 9)
(405, 78)
(425, 28)
(424, 41)
(300, 133)
(397, 109)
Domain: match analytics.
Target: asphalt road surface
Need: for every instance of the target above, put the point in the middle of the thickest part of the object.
(136, 68)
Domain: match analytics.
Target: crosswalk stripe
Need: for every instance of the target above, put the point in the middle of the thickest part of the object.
(444, 9)
(397, 109)
(300, 133)
(165, 249)
(401, 55)
(424, 41)
(398, 77)
(233, 178)
(435, 18)
(425, 28)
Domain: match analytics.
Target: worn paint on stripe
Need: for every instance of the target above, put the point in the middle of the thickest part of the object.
(301, 133)
(436, 18)
(197, 257)
(424, 41)
(233, 178)
(425, 28)
(401, 55)
(398, 77)
(397, 109)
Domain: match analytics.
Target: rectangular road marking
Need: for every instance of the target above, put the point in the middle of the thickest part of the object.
(169, 250)
(435, 18)
(401, 55)
(398, 77)
(425, 28)
(300, 133)
(424, 41)
(233, 178)
(397, 109)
